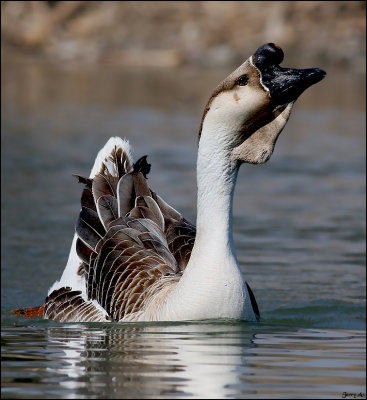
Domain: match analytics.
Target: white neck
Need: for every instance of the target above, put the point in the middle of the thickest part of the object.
(212, 285)
(216, 179)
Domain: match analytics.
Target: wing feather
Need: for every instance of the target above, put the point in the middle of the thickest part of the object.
(103, 185)
(131, 244)
(67, 305)
(125, 194)
(107, 209)
(140, 184)
(83, 251)
(89, 228)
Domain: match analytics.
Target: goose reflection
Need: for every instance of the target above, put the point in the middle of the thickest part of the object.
(182, 359)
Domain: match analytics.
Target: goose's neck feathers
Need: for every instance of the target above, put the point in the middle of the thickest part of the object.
(216, 180)
(212, 285)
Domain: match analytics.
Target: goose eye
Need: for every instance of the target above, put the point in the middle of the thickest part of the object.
(242, 80)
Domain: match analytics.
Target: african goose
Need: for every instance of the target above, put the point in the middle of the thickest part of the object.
(135, 258)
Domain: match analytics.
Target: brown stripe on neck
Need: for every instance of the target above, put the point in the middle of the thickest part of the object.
(228, 84)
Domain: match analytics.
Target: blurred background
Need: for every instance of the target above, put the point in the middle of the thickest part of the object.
(200, 33)
(171, 54)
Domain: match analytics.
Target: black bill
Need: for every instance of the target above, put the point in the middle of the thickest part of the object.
(285, 84)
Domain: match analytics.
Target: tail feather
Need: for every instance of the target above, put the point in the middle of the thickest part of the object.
(142, 166)
(115, 157)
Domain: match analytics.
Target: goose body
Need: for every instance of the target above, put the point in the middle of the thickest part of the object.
(133, 256)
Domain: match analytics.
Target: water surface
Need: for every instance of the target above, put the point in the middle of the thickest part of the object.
(299, 230)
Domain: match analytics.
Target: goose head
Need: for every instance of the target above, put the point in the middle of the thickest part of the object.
(248, 110)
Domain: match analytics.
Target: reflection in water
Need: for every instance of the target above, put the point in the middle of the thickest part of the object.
(207, 360)
(198, 360)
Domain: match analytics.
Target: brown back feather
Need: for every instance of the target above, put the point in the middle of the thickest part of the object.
(129, 242)
(67, 305)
